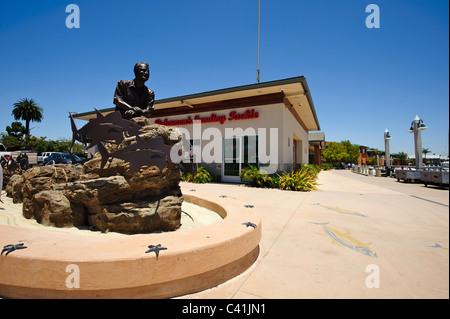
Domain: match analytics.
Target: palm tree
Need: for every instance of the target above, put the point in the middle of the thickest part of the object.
(425, 151)
(402, 157)
(27, 110)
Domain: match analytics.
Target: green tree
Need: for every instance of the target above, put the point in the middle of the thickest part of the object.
(425, 151)
(344, 151)
(352, 152)
(62, 145)
(334, 153)
(29, 111)
(10, 142)
(14, 140)
(373, 160)
(16, 129)
(402, 157)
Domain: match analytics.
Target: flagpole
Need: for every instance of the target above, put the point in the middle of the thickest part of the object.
(259, 24)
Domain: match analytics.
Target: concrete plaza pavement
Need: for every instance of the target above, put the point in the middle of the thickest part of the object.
(353, 233)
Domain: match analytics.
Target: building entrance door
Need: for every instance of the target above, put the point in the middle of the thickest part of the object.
(238, 153)
(232, 160)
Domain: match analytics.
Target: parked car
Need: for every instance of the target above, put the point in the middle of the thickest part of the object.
(41, 158)
(59, 158)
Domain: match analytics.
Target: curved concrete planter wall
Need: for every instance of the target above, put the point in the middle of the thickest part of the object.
(118, 267)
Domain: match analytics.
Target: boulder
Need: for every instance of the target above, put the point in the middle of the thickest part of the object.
(148, 200)
(140, 216)
(14, 188)
(170, 134)
(52, 208)
(44, 178)
(108, 199)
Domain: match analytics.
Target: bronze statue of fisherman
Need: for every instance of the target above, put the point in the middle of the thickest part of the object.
(132, 98)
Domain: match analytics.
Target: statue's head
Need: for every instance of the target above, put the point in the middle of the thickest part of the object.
(141, 71)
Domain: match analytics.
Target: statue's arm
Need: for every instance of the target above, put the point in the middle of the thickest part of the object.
(150, 105)
(118, 98)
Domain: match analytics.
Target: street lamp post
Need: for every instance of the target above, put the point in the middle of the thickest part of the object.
(417, 127)
(387, 138)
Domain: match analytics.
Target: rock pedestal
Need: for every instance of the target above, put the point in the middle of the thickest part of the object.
(146, 200)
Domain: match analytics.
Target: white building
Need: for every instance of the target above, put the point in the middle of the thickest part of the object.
(282, 110)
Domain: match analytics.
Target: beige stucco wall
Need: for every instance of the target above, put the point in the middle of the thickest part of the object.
(270, 116)
(294, 131)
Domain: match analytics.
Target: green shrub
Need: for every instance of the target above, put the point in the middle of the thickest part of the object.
(273, 182)
(372, 160)
(300, 180)
(202, 176)
(303, 179)
(311, 168)
(187, 177)
(327, 167)
(256, 177)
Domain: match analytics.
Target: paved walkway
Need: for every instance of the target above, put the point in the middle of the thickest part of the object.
(354, 232)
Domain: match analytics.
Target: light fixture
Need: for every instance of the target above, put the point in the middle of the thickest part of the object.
(417, 126)
(387, 135)
(420, 125)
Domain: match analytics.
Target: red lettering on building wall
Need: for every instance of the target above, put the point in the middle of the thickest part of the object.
(249, 114)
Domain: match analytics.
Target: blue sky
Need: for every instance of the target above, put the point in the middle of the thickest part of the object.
(362, 80)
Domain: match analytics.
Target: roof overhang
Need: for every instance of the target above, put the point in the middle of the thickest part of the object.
(294, 93)
(317, 138)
